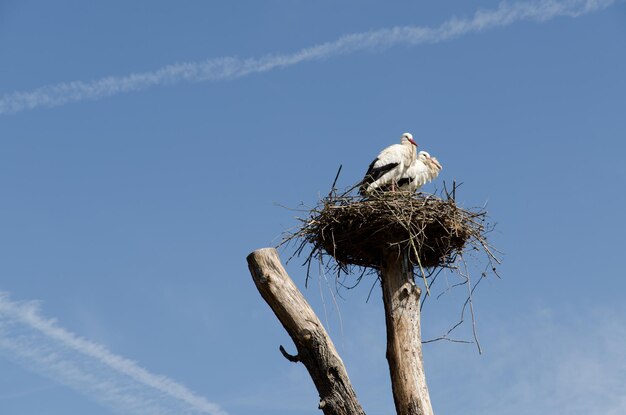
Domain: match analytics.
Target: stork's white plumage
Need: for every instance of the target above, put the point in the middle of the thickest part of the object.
(423, 170)
(390, 165)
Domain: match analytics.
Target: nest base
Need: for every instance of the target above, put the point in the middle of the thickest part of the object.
(362, 232)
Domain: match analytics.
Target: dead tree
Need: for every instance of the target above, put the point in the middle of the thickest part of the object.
(317, 351)
(392, 234)
(401, 298)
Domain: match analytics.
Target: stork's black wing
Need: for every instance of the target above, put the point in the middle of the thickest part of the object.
(374, 173)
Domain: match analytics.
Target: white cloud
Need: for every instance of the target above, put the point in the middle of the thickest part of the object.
(231, 68)
(43, 346)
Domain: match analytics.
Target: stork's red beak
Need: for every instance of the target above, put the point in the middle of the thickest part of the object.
(413, 142)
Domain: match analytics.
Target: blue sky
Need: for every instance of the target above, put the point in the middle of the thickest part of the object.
(147, 148)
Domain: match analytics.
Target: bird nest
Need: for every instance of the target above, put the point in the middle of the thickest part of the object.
(363, 231)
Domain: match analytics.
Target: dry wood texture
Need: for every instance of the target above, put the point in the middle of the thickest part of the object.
(404, 341)
(315, 349)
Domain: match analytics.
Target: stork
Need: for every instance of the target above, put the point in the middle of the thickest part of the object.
(389, 166)
(423, 170)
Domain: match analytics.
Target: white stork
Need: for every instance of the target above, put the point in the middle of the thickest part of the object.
(389, 166)
(423, 170)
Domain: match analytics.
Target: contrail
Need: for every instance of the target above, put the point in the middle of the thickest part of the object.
(232, 67)
(90, 368)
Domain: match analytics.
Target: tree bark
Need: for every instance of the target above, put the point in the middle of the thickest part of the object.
(404, 341)
(315, 349)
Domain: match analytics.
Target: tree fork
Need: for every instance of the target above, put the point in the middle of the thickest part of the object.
(315, 348)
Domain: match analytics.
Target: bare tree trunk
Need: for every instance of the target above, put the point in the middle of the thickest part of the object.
(315, 349)
(404, 341)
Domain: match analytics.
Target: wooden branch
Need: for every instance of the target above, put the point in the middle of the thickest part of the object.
(315, 349)
(404, 341)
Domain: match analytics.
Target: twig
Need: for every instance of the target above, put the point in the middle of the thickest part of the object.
(290, 357)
